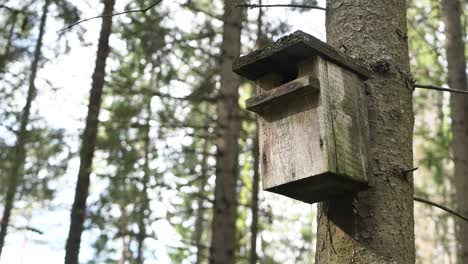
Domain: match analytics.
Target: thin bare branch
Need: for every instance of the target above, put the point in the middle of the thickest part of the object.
(437, 88)
(195, 8)
(28, 228)
(144, 10)
(33, 229)
(9, 128)
(441, 207)
(14, 10)
(210, 99)
(9, 8)
(282, 5)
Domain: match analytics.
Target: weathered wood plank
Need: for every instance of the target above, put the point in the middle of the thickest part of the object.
(287, 91)
(349, 127)
(285, 54)
(325, 118)
(291, 141)
(291, 146)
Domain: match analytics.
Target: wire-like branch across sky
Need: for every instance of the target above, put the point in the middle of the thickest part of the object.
(437, 88)
(441, 207)
(143, 10)
(282, 5)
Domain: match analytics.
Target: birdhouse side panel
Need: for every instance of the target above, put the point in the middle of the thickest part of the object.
(348, 111)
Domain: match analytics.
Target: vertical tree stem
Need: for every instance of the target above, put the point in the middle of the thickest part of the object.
(457, 79)
(376, 225)
(78, 212)
(223, 240)
(16, 174)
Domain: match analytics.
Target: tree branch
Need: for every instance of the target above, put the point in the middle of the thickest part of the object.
(32, 229)
(282, 5)
(209, 99)
(9, 128)
(195, 8)
(144, 10)
(437, 88)
(28, 228)
(14, 10)
(10, 8)
(441, 207)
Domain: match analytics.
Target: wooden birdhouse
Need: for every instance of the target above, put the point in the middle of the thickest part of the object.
(312, 118)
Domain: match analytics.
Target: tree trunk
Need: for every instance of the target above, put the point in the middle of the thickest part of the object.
(121, 177)
(123, 232)
(88, 144)
(6, 55)
(198, 233)
(255, 190)
(457, 79)
(145, 201)
(255, 154)
(376, 225)
(223, 240)
(19, 151)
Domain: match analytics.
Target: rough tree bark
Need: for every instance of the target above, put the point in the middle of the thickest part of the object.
(198, 233)
(144, 206)
(457, 79)
(376, 225)
(121, 176)
(255, 191)
(16, 173)
(123, 230)
(253, 256)
(88, 143)
(223, 240)
(6, 55)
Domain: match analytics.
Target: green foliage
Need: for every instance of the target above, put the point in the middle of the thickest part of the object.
(47, 160)
(426, 62)
(304, 2)
(437, 152)
(67, 11)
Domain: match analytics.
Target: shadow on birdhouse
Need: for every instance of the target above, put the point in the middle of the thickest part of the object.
(312, 118)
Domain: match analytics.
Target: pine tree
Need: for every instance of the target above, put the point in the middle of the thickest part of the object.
(19, 151)
(78, 213)
(256, 174)
(37, 156)
(223, 239)
(457, 79)
(376, 225)
(432, 138)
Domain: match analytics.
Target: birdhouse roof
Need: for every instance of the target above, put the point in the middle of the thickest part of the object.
(285, 54)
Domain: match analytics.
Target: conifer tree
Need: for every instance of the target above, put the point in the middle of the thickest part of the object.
(36, 145)
(14, 177)
(376, 225)
(223, 239)
(452, 11)
(78, 212)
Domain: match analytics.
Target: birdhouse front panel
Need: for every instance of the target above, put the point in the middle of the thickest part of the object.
(312, 118)
(291, 139)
